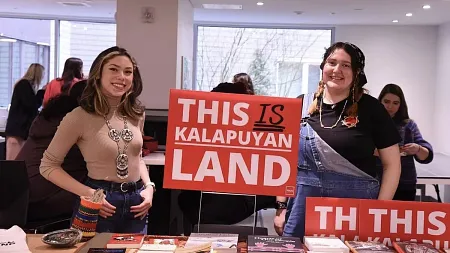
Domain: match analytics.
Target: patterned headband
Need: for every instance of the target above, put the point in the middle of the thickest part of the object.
(360, 64)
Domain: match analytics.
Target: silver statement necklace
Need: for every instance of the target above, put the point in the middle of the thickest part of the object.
(337, 122)
(122, 158)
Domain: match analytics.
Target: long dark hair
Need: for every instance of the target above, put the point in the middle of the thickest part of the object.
(64, 103)
(401, 116)
(93, 100)
(246, 79)
(235, 88)
(73, 68)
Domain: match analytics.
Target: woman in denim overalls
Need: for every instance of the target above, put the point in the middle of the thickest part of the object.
(337, 141)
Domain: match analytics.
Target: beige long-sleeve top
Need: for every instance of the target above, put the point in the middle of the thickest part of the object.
(90, 133)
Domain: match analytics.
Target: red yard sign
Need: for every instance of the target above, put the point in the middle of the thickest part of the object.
(381, 221)
(232, 143)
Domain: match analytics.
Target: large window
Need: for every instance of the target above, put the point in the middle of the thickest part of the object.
(5, 67)
(281, 62)
(23, 42)
(34, 40)
(85, 41)
(15, 58)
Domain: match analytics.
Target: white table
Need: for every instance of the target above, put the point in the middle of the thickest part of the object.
(155, 158)
(436, 180)
(435, 173)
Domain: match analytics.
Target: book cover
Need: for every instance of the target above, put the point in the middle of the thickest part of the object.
(159, 245)
(325, 244)
(128, 241)
(414, 247)
(257, 244)
(368, 247)
(218, 241)
(103, 250)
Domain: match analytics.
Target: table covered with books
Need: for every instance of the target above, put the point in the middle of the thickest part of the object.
(36, 245)
(226, 243)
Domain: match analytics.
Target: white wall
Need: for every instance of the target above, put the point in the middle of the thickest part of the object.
(442, 90)
(155, 45)
(404, 55)
(20, 29)
(185, 37)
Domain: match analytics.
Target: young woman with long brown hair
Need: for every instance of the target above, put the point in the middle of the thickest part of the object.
(107, 127)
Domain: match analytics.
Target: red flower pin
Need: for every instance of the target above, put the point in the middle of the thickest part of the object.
(350, 121)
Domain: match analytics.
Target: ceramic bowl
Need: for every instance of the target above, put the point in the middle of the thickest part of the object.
(63, 238)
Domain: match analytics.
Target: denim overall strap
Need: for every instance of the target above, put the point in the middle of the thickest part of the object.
(322, 172)
(330, 160)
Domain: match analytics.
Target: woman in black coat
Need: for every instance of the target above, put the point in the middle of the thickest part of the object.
(23, 109)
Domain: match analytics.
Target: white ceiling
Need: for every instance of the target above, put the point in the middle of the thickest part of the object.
(375, 12)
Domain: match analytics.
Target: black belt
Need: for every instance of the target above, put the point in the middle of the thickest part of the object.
(126, 186)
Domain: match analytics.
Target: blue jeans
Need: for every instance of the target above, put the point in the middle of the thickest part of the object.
(322, 172)
(123, 220)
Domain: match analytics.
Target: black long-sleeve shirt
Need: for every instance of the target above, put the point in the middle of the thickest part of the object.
(23, 110)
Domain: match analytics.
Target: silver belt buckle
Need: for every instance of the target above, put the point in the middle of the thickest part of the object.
(121, 187)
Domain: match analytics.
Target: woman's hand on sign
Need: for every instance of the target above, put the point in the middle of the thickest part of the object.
(279, 221)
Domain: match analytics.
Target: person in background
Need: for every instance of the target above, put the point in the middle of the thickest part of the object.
(412, 146)
(245, 79)
(48, 201)
(23, 109)
(338, 140)
(107, 127)
(222, 208)
(72, 73)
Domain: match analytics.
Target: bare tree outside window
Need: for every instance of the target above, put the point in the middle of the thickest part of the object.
(278, 60)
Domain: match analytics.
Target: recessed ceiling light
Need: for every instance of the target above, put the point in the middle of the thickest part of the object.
(223, 6)
(75, 4)
(395, 21)
(298, 12)
(332, 13)
(409, 14)
(260, 3)
(358, 9)
(426, 6)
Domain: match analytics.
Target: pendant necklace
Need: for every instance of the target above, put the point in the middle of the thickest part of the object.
(127, 136)
(339, 119)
